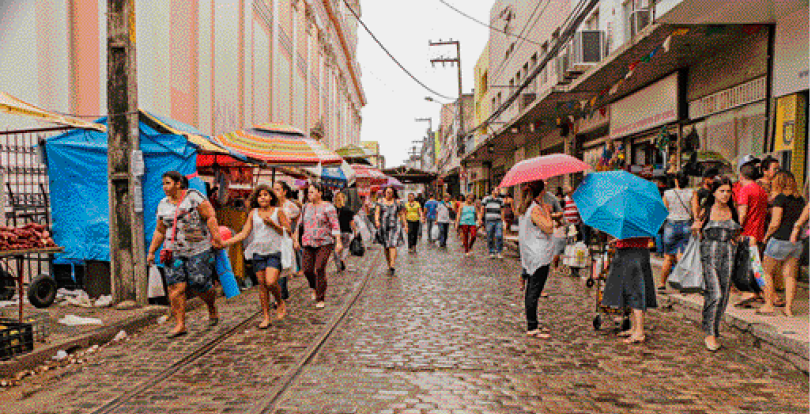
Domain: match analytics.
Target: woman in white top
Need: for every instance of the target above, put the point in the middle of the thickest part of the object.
(292, 209)
(265, 228)
(536, 252)
(678, 227)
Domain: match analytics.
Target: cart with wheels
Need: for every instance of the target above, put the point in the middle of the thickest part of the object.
(601, 264)
(41, 289)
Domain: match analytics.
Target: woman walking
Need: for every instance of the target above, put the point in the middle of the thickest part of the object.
(292, 209)
(347, 227)
(781, 253)
(193, 232)
(319, 232)
(390, 221)
(414, 216)
(467, 220)
(677, 227)
(720, 229)
(265, 229)
(536, 227)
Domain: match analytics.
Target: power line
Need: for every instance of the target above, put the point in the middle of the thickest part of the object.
(485, 24)
(565, 36)
(422, 84)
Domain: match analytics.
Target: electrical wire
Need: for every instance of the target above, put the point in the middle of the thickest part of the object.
(422, 84)
(485, 24)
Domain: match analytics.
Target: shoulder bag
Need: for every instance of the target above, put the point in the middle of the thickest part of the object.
(166, 255)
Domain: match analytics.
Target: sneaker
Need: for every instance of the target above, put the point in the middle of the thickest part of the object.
(492, 255)
(500, 255)
(320, 305)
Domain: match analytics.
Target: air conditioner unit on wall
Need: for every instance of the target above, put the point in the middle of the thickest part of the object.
(588, 47)
(562, 64)
(639, 19)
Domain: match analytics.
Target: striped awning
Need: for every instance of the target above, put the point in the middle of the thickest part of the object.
(278, 145)
(354, 151)
(367, 175)
(14, 106)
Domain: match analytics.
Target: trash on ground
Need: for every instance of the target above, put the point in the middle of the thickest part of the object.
(60, 355)
(73, 320)
(121, 335)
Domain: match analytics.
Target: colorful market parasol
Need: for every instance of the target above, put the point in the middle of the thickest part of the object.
(393, 182)
(278, 145)
(353, 151)
(368, 176)
(339, 176)
(542, 168)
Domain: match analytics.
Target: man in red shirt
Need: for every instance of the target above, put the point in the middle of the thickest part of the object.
(752, 209)
(752, 201)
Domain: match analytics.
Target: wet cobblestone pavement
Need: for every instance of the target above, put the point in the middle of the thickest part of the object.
(445, 335)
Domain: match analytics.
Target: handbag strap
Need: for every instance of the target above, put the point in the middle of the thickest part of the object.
(176, 212)
(675, 191)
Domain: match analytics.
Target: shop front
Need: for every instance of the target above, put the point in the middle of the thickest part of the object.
(644, 129)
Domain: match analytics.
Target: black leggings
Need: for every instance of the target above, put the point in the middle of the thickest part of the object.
(413, 233)
(534, 288)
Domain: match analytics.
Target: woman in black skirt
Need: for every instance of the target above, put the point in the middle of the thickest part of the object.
(630, 284)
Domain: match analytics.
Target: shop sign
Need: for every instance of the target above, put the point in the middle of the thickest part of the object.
(650, 107)
(739, 95)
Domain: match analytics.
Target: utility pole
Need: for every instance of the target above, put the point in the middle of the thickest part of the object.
(451, 61)
(125, 165)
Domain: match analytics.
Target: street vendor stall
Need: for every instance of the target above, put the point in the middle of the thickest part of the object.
(77, 168)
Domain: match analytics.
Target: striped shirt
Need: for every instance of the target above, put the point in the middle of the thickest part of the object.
(492, 208)
(571, 213)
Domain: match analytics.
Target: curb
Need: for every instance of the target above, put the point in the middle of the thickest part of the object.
(99, 336)
(758, 335)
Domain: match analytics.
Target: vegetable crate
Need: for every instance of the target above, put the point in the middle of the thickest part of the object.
(15, 338)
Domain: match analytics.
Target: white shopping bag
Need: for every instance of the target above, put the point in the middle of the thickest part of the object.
(434, 232)
(156, 289)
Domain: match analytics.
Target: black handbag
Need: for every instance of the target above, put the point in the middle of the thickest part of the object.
(356, 247)
(742, 275)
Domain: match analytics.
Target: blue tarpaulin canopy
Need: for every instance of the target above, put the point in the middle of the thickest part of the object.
(77, 169)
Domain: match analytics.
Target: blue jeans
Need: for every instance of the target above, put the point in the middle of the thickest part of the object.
(443, 229)
(429, 223)
(495, 236)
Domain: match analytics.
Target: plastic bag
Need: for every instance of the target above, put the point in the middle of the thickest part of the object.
(356, 247)
(363, 227)
(743, 275)
(687, 276)
(434, 232)
(287, 253)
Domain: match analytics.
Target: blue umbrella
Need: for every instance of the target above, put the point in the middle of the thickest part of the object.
(335, 176)
(620, 204)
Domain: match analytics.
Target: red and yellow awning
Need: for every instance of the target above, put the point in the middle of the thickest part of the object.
(278, 145)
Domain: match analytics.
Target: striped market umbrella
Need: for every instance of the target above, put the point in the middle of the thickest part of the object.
(278, 145)
(368, 176)
(353, 151)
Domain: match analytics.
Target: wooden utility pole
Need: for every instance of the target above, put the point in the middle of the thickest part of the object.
(457, 61)
(127, 251)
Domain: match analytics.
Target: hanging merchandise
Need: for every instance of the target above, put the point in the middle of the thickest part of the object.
(662, 140)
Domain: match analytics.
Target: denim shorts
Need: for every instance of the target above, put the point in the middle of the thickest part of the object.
(197, 271)
(783, 249)
(269, 261)
(676, 236)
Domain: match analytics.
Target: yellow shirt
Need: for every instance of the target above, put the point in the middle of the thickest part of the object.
(412, 211)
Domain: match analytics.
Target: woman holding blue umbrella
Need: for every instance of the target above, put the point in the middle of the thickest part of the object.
(630, 209)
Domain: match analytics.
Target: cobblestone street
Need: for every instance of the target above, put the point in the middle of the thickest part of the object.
(445, 335)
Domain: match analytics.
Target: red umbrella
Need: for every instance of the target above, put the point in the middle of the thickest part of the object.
(542, 168)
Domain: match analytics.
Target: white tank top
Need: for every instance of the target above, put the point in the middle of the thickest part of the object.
(535, 246)
(263, 239)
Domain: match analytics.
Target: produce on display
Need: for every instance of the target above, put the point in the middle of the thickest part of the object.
(29, 236)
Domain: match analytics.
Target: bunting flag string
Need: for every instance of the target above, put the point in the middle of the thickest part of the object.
(587, 108)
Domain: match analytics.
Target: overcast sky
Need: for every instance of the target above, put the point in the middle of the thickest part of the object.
(394, 100)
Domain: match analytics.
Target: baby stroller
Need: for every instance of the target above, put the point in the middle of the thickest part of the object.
(599, 271)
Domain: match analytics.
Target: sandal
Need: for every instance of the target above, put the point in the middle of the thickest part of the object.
(745, 303)
(538, 333)
(264, 325)
(765, 313)
(635, 339)
(787, 313)
(625, 334)
(173, 335)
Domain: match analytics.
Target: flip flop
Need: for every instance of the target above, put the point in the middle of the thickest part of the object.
(765, 313)
(635, 340)
(624, 334)
(213, 322)
(173, 335)
(745, 303)
(262, 326)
